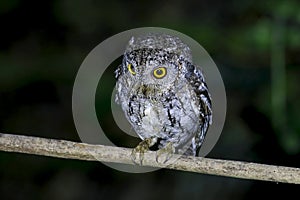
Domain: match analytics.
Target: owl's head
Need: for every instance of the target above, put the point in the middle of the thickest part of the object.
(155, 60)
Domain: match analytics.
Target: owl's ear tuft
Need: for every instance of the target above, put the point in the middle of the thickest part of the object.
(131, 41)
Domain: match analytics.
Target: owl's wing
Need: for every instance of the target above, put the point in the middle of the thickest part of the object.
(196, 79)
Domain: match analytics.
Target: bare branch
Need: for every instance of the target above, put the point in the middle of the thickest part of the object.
(82, 151)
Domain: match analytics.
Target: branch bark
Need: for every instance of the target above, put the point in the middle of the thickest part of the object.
(81, 151)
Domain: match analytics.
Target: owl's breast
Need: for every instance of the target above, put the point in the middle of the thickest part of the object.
(172, 116)
(147, 116)
(153, 119)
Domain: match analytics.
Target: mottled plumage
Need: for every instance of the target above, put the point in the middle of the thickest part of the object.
(163, 94)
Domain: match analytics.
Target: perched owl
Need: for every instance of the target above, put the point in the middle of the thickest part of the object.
(163, 95)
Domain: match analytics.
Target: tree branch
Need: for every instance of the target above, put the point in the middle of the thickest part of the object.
(82, 151)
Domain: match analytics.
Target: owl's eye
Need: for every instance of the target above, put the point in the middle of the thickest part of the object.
(160, 72)
(131, 69)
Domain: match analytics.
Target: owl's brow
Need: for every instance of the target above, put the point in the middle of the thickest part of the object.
(142, 56)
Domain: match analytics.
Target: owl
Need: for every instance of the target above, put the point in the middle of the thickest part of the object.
(164, 96)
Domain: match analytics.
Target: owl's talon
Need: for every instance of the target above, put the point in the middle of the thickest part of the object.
(165, 154)
(137, 154)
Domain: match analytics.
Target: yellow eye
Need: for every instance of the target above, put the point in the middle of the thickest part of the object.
(131, 69)
(160, 72)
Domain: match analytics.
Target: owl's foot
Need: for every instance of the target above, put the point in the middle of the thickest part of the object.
(164, 154)
(137, 154)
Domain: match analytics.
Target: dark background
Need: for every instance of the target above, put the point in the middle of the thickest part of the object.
(255, 44)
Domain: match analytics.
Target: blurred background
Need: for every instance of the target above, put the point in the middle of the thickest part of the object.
(255, 44)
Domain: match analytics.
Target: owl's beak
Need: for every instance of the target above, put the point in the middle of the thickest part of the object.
(147, 90)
